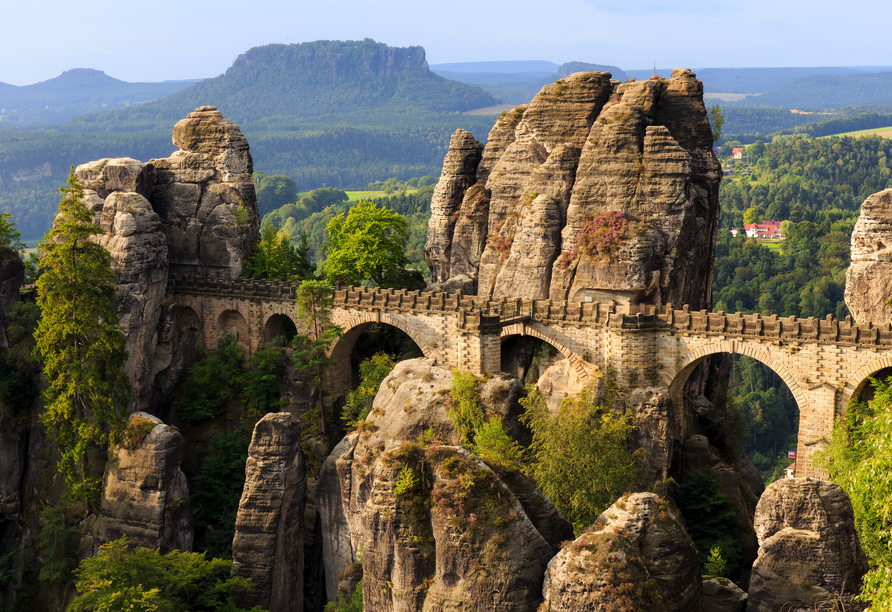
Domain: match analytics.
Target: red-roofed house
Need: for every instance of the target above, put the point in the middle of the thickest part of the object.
(767, 230)
(737, 152)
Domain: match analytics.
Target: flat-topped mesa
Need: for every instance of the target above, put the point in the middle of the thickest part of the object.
(869, 278)
(596, 190)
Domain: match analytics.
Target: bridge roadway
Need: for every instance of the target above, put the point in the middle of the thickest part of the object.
(824, 362)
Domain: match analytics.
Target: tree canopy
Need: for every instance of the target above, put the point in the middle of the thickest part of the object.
(143, 580)
(367, 244)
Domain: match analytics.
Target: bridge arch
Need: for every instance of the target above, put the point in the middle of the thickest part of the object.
(234, 322)
(340, 373)
(279, 324)
(520, 329)
(856, 383)
(675, 376)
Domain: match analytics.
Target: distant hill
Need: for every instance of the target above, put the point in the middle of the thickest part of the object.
(506, 67)
(301, 82)
(823, 91)
(75, 92)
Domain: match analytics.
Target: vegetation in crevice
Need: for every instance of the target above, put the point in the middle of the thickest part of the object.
(580, 457)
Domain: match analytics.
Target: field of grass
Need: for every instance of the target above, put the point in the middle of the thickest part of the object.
(885, 132)
(773, 246)
(355, 196)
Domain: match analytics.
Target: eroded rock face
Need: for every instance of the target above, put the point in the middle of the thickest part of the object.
(586, 148)
(722, 595)
(268, 545)
(194, 212)
(133, 235)
(205, 197)
(637, 554)
(869, 278)
(12, 275)
(459, 173)
(145, 494)
(460, 537)
(808, 546)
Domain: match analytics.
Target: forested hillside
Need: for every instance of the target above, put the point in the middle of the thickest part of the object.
(817, 185)
(325, 113)
(823, 91)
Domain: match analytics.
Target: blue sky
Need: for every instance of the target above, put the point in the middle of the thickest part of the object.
(177, 39)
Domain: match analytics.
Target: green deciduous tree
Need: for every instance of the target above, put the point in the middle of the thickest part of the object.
(273, 191)
(716, 120)
(143, 580)
(368, 244)
(372, 372)
(859, 459)
(581, 456)
(80, 343)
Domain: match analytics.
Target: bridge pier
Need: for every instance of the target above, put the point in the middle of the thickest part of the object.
(480, 347)
(816, 418)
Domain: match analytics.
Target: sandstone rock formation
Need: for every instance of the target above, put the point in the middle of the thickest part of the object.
(268, 547)
(192, 213)
(12, 275)
(808, 547)
(145, 494)
(451, 534)
(722, 595)
(587, 157)
(869, 278)
(637, 555)
(116, 190)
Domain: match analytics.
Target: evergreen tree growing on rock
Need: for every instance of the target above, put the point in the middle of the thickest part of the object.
(80, 343)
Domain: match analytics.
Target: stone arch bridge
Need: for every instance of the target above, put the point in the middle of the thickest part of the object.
(824, 362)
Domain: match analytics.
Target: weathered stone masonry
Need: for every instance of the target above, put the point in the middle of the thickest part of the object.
(824, 362)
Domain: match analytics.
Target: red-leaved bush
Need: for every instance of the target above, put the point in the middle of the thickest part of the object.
(603, 234)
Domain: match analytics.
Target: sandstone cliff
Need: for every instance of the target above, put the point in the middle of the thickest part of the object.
(637, 556)
(437, 529)
(268, 546)
(869, 278)
(145, 494)
(596, 190)
(809, 551)
(194, 212)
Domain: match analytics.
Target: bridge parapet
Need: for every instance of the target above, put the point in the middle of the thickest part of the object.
(822, 331)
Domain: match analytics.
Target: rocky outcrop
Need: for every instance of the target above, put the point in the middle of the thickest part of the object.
(869, 278)
(722, 595)
(637, 555)
(459, 173)
(439, 529)
(12, 275)
(116, 190)
(194, 212)
(337, 552)
(268, 546)
(597, 189)
(205, 196)
(808, 547)
(145, 494)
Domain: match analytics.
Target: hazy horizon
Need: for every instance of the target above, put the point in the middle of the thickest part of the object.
(177, 41)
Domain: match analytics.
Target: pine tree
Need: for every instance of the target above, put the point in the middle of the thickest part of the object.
(80, 343)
